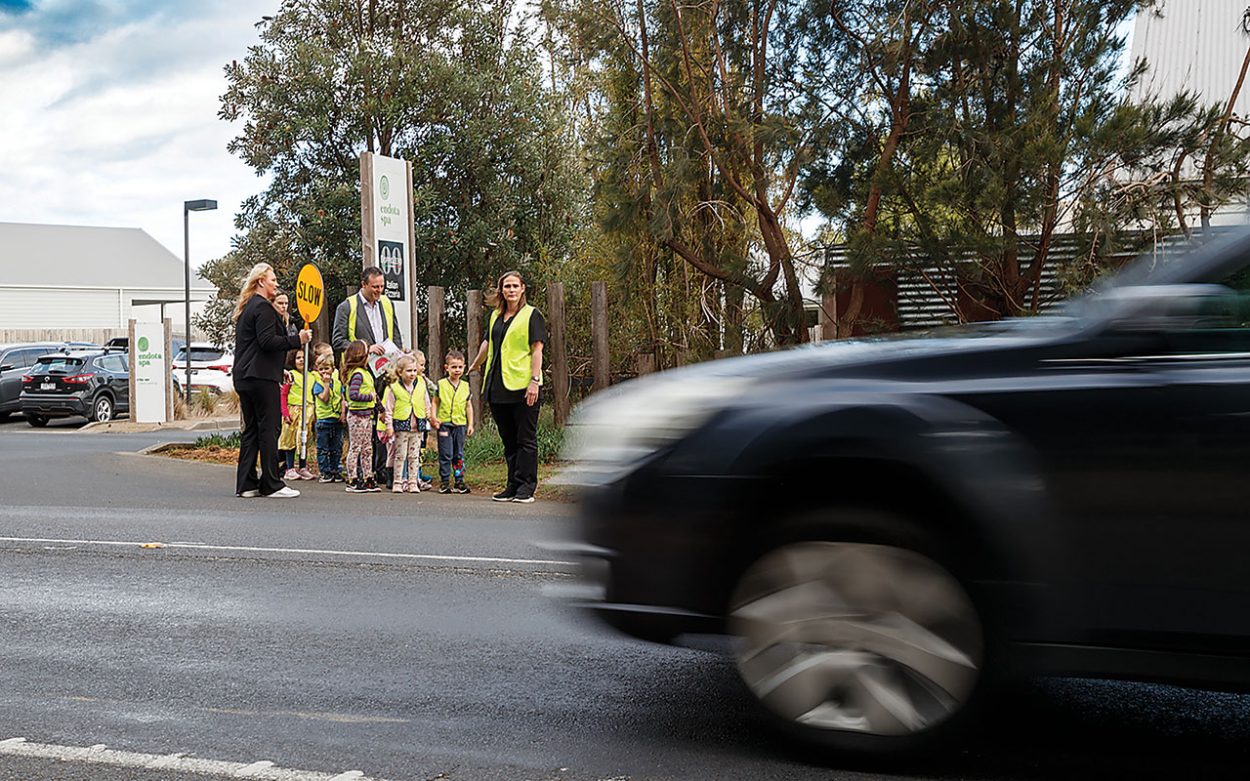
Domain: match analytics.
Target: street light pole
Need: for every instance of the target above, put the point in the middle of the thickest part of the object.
(201, 205)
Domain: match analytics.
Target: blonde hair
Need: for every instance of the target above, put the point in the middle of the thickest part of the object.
(250, 286)
(325, 362)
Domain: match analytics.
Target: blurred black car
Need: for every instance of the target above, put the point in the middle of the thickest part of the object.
(15, 359)
(886, 529)
(93, 384)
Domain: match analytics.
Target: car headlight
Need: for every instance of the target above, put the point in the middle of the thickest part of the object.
(615, 429)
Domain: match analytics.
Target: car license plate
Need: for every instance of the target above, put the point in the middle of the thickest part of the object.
(47, 386)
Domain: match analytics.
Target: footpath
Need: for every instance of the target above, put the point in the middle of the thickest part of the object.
(223, 423)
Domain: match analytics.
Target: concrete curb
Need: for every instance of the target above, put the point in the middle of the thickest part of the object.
(129, 427)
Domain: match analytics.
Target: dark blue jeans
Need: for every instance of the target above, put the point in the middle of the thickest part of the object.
(329, 446)
(450, 448)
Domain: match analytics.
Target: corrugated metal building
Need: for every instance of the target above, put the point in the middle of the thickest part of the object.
(82, 280)
(1195, 45)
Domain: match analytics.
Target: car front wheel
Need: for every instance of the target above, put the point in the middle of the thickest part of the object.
(857, 645)
(38, 421)
(102, 410)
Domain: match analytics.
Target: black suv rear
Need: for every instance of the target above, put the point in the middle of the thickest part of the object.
(94, 384)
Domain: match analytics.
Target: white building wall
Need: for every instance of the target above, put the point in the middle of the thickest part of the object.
(48, 307)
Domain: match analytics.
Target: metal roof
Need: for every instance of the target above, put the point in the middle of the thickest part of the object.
(1195, 45)
(49, 256)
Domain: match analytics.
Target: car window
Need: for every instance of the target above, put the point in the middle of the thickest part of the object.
(31, 355)
(110, 363)
(54, 363)
(205, 354)
(1216, 324)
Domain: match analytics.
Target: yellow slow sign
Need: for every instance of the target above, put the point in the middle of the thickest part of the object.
(310, 293)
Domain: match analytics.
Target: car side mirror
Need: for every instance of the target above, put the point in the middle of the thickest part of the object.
(1160, 309)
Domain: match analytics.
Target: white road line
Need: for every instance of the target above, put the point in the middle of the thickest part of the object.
(312, 551)
(180, 762)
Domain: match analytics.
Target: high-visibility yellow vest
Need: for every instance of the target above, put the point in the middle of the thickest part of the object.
(453, 402)
(515, 363)
(297, 392)
(388, 317)
(327, 410)
(366, 387)
(408, 403)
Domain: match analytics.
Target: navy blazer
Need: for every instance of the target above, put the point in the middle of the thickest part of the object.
(261, 342)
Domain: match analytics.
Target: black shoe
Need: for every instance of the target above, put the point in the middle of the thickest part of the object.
(371, 486)
(506, 495)
(461, 488)
(444, 489)
(355, 486)
(523, 498)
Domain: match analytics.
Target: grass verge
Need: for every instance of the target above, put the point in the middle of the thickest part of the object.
(485, 470)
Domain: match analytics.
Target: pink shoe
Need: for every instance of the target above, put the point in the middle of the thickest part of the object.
(304, 474)
(412, 487)
(291, 474)
(397, 488)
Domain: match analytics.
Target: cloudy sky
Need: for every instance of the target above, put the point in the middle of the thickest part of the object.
(110, 115)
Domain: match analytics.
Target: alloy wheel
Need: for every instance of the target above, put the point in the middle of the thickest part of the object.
(103, 409)
(854, 637)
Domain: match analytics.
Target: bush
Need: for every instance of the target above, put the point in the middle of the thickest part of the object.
(485, 446)
(219, 440)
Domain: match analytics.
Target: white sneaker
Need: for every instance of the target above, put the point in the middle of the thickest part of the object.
(285, 492)
(249, 493)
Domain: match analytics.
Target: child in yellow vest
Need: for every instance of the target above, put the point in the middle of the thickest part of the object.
(296, 410)
(328, 394)
(453, 420)
(404, 401)
(361, 400)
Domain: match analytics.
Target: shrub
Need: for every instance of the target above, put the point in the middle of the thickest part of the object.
(486, 447)
(219, 440)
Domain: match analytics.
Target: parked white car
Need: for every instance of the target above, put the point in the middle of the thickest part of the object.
(205, 356)
(214, 381)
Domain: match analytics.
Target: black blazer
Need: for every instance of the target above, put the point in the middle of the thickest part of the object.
(261, 342)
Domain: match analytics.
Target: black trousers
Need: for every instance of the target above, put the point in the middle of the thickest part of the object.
(518, 428)
(262, 417)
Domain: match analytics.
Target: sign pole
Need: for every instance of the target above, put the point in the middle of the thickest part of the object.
(309, 299)
(303, 412)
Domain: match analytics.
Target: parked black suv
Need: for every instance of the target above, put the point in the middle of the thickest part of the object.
(15, 360)
(885, 528)
(94, 384)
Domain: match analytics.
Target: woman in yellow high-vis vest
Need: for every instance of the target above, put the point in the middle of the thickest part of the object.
(513, 352)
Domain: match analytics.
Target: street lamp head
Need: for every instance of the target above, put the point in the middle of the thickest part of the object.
(202, 205)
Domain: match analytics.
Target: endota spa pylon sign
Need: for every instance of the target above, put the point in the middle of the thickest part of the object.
(387, 231)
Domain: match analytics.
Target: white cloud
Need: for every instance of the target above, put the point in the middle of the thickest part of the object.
(117, 125)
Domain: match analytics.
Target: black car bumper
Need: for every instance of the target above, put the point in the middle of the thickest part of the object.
(55, 406)
(658, 554)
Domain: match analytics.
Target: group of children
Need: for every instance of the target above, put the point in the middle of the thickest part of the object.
(386, 420)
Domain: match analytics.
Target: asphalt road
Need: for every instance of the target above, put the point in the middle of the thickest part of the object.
(410, 638)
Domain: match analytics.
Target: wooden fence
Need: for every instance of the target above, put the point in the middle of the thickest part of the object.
(555, 352)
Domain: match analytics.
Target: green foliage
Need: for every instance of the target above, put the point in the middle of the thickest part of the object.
(977, 130)
(485, 446)
(219, 440)
(446, 85)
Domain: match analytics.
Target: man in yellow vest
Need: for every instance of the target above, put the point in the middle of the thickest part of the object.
(368, 316)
